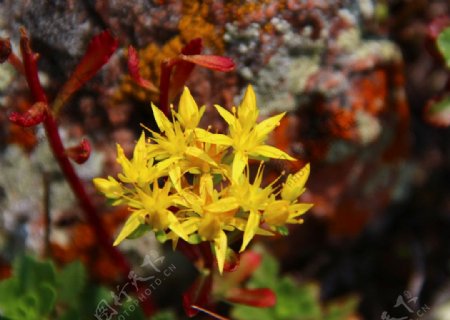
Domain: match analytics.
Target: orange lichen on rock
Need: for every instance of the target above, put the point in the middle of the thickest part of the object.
(253, 11)
(370, 92)
(341, 123)
(197, 22)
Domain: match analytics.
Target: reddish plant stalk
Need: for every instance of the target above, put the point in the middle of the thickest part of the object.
(57, 147)
(59, 152)
(164, 85)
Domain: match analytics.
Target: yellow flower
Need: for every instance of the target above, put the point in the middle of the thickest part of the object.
(211, 212)
(140, 170)
(205, 196)
(189, 114)
(151, 206)
(110, 187)
(281, 212)
(252, 198)
(295, 184)
(175, 146)
(245, 135)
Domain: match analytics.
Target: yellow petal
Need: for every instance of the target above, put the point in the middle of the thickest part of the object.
(175, 177)
(277, 213)
(223, 205)
(294, 184)
(250, 228)
(215, 138)
(161, 119)
(191, 225)
(176, 226)
(226, 115)
(270, 152)
(200, 154)
(268, 125)
(110, 187)
(239, 162)
(247, 111)
(298, 209)
(220, 247)
(130, 226)
(206, 188)
(209, 227)
(188, 110)
(140, 151)
(121, 159)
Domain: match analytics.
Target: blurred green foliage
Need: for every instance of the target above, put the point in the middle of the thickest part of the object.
(294, 301)
(443, 43)
(38, 291)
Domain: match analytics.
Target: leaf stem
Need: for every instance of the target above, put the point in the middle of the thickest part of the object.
(58, 150)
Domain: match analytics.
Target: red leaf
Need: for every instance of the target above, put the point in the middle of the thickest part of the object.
(183, 69)
(262, 298)
(249, 261)
(98, 53)
(194, 46)
(133, 68)
(80, 153)
(33, 116)
(198, 294)
(231, 261)
(217, 63)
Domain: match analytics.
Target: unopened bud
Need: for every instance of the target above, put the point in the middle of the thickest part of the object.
(80, 153)
(33, 116)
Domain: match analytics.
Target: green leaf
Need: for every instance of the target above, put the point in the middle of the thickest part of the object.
(140, 231)
(30, 294)
(134, 311)
(443, 43)
(241, 312)
(267, 273)
(194, 239)
(91, 297)
(71, 282)
(165, 315)
(161, 236)
(217, 178)
(9, 293)
(46, 295)
(294, 301)
(31, 273)
(283, 230)
(342, 310)
(71, 314)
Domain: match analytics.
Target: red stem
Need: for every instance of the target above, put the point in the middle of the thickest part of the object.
(164, 85)
(57, 147)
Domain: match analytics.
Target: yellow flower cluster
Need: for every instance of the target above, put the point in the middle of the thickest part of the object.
(187, 182)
